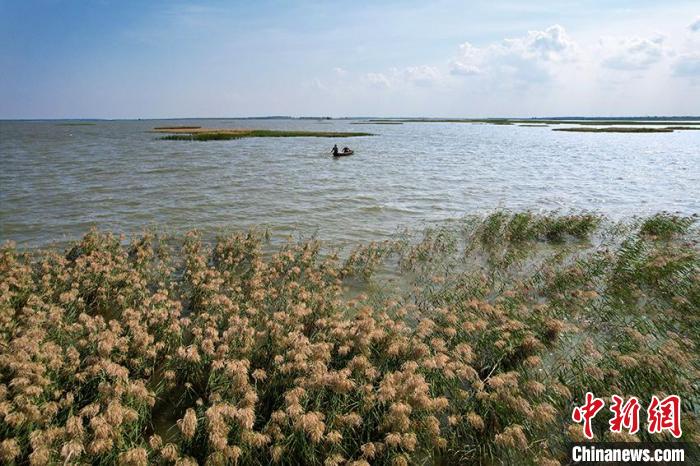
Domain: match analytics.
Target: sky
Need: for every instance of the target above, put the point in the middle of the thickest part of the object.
(439, 58)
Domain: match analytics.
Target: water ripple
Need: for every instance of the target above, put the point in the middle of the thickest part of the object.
(56, 182)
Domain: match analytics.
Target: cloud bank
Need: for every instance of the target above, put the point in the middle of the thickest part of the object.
(633, 53)
(522, 58)
(548, 69)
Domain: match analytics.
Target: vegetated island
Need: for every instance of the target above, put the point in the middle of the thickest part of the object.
(212, 134)
(176, 128)
(377, 122)
(614, 125)
(614, 129)
(492, 121)
(551, 121)
(143, 353)
(684, 128)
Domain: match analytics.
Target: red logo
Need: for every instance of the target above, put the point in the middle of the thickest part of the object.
(625, 416)
(587, 412)
(662, 415)
(665, 415)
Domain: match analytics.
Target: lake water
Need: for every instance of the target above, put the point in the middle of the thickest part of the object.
(57, 181)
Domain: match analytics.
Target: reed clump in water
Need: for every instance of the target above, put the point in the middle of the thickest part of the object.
(474, 350)
(206, 134)
(377, 122)
(562, 121)
(665, 225)
(176, 128)
(614, 129)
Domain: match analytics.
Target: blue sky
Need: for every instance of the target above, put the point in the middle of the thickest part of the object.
(129, 59)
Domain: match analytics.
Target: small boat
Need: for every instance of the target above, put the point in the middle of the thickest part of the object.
(343, 153)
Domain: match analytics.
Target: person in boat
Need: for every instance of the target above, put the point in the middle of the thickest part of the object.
(334, 151)
(346, 149)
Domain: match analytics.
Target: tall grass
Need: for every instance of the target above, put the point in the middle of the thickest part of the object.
(469, 344)
(664, 225)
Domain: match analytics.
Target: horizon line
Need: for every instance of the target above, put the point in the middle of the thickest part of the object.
(309, 117)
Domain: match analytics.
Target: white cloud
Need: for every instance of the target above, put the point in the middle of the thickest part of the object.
(422, 75)
(552, 44)
(378, 80)
(687, 65)
(529, 58)
(633, 53)
(340, 71)
(540, 71)
(463, 69)
(469, 61)
(695, 25)
(512, 62)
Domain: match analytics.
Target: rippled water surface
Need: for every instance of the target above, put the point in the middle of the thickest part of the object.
(57, 181)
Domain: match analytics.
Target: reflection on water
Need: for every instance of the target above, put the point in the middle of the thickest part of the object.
(57, 181)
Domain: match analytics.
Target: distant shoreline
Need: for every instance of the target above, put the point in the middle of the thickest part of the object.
(657, 118)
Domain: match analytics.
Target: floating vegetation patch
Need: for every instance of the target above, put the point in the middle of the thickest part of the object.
(623, 122)
(543, 121)
(204, 134)
(494, 121)
(179, 128)
(614, 129)
(468, 343)
(376, 123)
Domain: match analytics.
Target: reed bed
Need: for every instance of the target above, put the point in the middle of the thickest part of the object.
(615, 129)
(466, 344)
(561, 121)
(176, 128)
(209, 134)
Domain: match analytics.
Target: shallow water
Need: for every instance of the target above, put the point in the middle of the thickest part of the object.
(57, 181)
